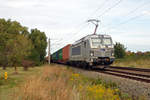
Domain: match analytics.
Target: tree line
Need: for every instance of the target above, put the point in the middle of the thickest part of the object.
(19, 46)
(121, 52)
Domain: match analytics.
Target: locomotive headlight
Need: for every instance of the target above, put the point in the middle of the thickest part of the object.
(103, 46)
(112, 54)
(92, 53)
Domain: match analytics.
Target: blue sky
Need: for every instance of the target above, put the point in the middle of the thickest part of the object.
(65, 21)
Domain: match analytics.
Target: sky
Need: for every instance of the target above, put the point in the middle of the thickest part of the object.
(65, 21)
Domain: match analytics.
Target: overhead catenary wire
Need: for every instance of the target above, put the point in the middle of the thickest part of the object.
(77, 32)
(137, 8)
(76, 36)
(113, 6)
(131, 19)
(83, 25)
(100, 7)
(119, 1)
(85, 21)
(125, 22)
(130, 13)
(97, 9)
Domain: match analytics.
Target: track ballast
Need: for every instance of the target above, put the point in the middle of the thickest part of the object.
(138, 74)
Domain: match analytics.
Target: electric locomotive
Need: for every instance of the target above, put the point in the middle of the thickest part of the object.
(89, 51)
(92, 50)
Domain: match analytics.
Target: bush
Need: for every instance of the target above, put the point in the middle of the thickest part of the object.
(119, 50)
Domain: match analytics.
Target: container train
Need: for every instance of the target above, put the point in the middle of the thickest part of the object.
(89, 51)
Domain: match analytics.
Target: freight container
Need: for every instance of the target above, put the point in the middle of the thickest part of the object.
(62, 55)
(54, 56)
(59, 54)
(65, 53)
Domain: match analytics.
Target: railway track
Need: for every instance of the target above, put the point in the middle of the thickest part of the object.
(130, 68)
(137, 74)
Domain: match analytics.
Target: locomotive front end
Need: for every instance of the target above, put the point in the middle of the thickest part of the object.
(102, 50)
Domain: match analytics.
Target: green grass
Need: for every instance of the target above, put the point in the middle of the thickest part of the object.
(14, 80)
(141, 61)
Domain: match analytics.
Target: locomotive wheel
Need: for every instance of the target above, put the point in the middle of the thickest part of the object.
(84, 65)
(90, 67)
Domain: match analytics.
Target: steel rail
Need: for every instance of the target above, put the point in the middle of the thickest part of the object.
(131, 68)
(130, 73)
(126, 76)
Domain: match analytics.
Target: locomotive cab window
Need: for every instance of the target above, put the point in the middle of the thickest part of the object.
(107, 41)
(96, 42)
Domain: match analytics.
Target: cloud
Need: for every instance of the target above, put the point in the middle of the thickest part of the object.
(146, 13)
(19, 3)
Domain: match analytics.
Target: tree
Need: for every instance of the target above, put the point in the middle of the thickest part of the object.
(39, 41)
(4, 37)
(10, 32)
(12, 27)
(18, 48)
(119, 50)
(34, 56)
(17, 45)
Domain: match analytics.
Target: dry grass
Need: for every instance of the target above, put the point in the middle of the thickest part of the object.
(51, 85)
(141, 63)
(14, 80)
(60, 83)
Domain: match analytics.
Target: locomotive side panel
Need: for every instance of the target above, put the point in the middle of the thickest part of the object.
(87, 51)
(76, 52)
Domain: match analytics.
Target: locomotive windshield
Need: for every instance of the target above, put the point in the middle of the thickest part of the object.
(96, 42)
(107, 41)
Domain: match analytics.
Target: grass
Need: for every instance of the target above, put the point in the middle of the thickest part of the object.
(140, 61)
(52, 84)
(14, 80)
(55, 82)
(61, 83)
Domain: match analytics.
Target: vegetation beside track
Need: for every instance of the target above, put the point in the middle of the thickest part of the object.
(57, 82)
(20, 46)
(14, 80)
(141, 60)
(130, 59)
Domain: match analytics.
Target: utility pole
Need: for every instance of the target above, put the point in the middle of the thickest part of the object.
(95, 22)
(49, 53)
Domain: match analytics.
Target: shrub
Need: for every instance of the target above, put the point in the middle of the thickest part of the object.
(119, 50)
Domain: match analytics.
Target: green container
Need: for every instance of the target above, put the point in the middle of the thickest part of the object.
(57, 55)
(54, 56)
(60, 54)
